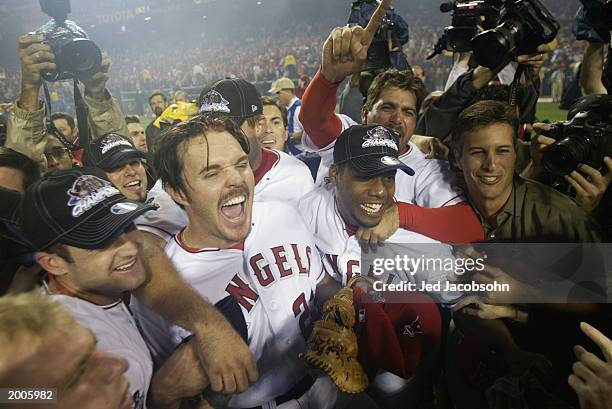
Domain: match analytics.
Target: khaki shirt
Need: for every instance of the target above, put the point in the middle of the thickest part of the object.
(538, 213)
(27, 133)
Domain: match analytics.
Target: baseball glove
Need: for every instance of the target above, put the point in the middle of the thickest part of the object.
(332, 346)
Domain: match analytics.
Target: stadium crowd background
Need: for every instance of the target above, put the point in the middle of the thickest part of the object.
(154, 47)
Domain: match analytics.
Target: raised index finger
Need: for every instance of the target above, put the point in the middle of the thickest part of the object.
(375, 21)
(598, 338)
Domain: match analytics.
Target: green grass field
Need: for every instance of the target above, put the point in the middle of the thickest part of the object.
(550, 111)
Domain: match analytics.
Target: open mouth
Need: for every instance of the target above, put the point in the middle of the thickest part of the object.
(489, 180)
(268, 142)
(133, 186)
(371, 208)
(124, 268)
(233, 208)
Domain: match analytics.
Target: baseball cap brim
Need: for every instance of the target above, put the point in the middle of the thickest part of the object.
(119, 158)
(104, 225)
(374, 165)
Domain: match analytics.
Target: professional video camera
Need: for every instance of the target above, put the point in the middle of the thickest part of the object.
(522, 26)
(466, 17)
(75, 55)
(585, 138)
(386, 48)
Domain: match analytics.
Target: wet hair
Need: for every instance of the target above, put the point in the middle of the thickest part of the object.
(404, 80)
(480, 115)
(169, 157)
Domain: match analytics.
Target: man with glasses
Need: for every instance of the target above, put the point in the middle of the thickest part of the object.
(58, 155)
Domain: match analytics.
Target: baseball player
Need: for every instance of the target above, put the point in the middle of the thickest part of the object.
(83, 231)
(123, 165)
(256, 261)
(278, 176)
(393, 100)
(361, 188)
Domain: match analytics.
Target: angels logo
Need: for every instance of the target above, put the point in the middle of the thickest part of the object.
(379, 136)
(214, 102)
(414, 328)
(111, 141)
(88, 191)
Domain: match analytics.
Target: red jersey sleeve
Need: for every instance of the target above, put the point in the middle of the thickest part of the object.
(454, 224)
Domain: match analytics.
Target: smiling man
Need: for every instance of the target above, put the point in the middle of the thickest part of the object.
(255, 261)
(361, 189)
(83, 233)
(511, 208)
(124, 164)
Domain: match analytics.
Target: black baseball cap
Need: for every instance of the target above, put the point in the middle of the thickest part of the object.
(234, 98)
(78, 207)
(370, 149)
(110, 151)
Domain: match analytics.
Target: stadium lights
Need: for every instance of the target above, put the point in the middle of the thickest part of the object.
(147, 18)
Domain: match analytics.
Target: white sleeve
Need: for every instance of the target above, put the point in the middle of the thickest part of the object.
(435, 186)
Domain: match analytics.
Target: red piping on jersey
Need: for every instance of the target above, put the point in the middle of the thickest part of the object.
(269, 159)
(193, 250)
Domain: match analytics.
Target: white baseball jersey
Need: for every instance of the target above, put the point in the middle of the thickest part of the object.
(265, 288)
(117, 333)
(341, 250)
(280, 177)
(432, 183)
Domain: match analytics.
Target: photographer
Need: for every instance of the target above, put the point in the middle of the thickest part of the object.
(27, 133)
(591, 185)
(438, 119)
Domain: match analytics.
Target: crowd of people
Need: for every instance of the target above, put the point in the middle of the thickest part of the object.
(299, 233)
(140, 68)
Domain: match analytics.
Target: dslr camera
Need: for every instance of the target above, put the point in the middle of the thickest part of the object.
(466, 17)
(75, 55)
(522, 26)
(585, 138)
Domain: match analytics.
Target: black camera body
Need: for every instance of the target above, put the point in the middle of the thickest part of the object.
(385, 51)
(466, 17)
(75, 55)
(523, 25)
(586, 138)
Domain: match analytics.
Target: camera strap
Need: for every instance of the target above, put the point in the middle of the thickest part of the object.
(51, 126)
(81, 114)
(516, 83)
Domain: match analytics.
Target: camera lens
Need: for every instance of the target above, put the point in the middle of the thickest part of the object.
(565, 155)
(81, 57)
(458, 38)
(493, 48)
